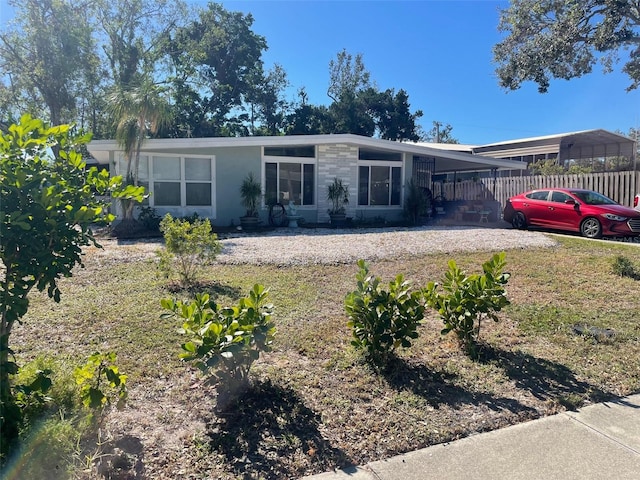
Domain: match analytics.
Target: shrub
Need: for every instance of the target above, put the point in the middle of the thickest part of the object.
(101, 382)
(382, 320)
(49, 203)
(149, 219)
(467, 299)
(623, 267)
(188, 245)
(224, 342)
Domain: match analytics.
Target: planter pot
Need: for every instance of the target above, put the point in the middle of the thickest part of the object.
(249, 223)
(338, 220)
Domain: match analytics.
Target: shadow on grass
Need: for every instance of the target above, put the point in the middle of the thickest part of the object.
(213, 288)
(544, 379)
(271, 434)
(438, 388)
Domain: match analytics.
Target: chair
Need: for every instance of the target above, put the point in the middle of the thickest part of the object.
(484, 215)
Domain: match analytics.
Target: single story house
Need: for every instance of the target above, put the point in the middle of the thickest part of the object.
(203, 175)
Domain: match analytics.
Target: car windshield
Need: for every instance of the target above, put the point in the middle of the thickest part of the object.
(593, 198)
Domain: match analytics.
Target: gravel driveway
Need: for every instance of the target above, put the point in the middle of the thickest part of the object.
(326, 246)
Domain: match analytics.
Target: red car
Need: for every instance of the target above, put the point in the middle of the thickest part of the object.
(590, 213)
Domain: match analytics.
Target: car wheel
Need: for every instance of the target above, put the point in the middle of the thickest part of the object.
(591, 228)
(518, 221)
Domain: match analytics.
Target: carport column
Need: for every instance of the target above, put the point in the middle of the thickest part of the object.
(338, 160)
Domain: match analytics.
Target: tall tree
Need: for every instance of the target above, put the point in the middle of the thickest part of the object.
(347, 76)
(45, 56)
(307, 119)
(565, 39)
(394, 120)
(140, 111)
(267, 104)
(216, 61)
(440, 133)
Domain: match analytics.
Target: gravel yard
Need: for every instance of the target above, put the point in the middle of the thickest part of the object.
(325, 246)
(328, 246)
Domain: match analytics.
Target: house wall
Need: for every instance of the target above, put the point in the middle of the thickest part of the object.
(340, 161)
(232, 164)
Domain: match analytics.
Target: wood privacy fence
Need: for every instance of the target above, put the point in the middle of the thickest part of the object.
(619, 186)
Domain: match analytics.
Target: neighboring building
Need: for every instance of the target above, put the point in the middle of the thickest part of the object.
(203, 175)
(584, 145)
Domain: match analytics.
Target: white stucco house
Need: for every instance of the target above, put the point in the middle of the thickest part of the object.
(203, 175)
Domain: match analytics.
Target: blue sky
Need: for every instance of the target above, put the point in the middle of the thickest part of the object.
(440, 53)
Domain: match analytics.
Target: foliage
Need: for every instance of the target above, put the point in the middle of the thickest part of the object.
(417, 204)
(225, 341)
(338, 195)
(624, 267)
(440, 133)
(467, 299)
(250, 191)
(101, 382)
(549, 39)
(50, 57)
(47, 207)
(381, 320)
(187, 247)
(149, 218)
(551, 167)
(217, 62)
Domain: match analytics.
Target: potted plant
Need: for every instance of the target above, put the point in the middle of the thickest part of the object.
(338, 195)
(250, 191)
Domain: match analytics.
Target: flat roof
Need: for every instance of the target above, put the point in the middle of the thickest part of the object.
(446, 161)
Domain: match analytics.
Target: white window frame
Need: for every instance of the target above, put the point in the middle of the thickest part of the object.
(183, 208)
(389, 165)
(299, 160)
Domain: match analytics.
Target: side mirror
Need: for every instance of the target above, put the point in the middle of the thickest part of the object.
(570, 201)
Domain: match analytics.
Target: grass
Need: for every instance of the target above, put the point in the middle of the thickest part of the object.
(315, 405)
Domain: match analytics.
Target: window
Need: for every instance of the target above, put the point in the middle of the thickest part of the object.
(289, 174)
(289, 182)
(560, 197)
(379, 185)
(304, 151)
(166, 181)
(539, 195)
(175, 181)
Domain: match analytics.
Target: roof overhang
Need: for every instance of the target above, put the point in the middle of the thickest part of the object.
(572, 145)
(446, 161)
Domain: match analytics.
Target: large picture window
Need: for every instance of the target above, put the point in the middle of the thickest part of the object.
(379, 185)
(176, 181)
(289, 175)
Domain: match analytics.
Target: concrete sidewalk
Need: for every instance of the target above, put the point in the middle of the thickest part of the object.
(600, 441)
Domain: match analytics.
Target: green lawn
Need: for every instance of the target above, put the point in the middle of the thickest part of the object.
(315, 405)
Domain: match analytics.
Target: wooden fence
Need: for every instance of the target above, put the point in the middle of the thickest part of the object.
(619, 186)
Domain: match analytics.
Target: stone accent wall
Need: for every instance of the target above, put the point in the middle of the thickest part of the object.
(339, 160)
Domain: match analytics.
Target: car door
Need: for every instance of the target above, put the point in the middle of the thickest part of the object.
(562, 212)
(535, 207)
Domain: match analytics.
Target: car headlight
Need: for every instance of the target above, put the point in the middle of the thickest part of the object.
(615, 218)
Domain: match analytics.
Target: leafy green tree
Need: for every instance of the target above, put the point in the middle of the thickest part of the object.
(216, 63)
(307, 119)
(267, 104)
(392, 115)
(440, 133)
(565, 39)
(347, 76)
(47, 207)
(46, 57)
